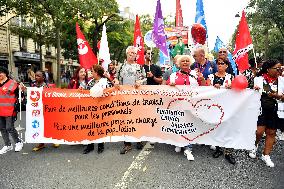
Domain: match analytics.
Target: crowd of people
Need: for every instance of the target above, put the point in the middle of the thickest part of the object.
(184, 71)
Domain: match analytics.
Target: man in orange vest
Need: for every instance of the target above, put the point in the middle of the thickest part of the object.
(9, 92)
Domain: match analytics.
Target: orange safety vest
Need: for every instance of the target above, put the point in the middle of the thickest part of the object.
(8, 98)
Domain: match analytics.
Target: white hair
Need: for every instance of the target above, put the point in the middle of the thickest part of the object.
(182, 57)
(198, 49)
(131, 48)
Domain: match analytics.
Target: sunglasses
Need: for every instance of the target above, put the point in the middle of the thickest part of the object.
(150, 53)
(278, 69)
(222, 52)
(222, 63)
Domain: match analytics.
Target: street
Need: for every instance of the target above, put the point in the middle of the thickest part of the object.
(153, 167)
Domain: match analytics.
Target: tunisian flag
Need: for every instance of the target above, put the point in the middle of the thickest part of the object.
(138, 42)
(86, 56)
(179, 18)
(243, 45)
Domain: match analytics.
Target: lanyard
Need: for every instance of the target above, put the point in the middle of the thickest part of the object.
(200, 67)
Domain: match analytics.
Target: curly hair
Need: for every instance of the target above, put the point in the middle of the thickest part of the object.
(266, 65)
(99, 70)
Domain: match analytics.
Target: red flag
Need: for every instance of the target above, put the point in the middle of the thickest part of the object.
(243, 44)
(138, 42)
(86, 56)
(179, 19)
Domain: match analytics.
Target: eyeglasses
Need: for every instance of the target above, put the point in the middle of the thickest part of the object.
(222, 52)
(221, 63)
(279, 69)
(150, 53)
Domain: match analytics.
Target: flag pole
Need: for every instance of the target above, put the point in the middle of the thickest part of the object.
(151, 54)
(20, 103)
(254, 57)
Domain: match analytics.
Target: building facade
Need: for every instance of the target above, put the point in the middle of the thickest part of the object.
(19, 54)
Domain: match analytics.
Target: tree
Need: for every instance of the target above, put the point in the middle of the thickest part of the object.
(36, 26)
(266, 22)
(13, 7)
(102, 11)
(58, 12)
(269, 11)
(120, 36)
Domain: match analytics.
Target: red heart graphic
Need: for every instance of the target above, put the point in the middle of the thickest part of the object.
(198, 105)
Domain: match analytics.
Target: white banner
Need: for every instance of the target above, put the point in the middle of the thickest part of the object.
(173, 115)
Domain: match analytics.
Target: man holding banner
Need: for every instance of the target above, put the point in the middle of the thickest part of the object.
(153, 72)
(173, 69)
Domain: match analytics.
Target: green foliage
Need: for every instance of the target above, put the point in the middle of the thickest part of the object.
(266, 21)
(48, 17)
(96, 12)
(14, 7)
(120, 36)
(146, 22)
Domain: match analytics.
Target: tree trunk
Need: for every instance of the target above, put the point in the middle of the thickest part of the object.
(95, 42)
(40, 51)
(58, 47)
(266, 44)
(40, 58)
(120, 53)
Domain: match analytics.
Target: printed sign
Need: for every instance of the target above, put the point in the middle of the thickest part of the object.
(174, 115)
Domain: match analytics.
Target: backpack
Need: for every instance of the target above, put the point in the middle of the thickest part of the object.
(120, 68)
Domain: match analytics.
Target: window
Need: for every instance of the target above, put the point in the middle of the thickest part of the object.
(37, 47)
(23, 43)
(22, 21)
(48, 49)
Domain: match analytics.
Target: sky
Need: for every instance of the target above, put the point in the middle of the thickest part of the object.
(219, 14)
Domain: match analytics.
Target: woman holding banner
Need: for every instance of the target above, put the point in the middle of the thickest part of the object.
(268, 84)
(222, 79)
(186, 76)
(97, 86)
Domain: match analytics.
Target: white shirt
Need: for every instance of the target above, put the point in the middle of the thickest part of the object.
(98, 89)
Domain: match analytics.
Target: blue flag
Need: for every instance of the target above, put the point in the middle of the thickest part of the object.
(219, 44)
(164, 59)
(200, 17)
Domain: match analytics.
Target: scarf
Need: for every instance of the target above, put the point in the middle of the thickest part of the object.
(269, 79)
